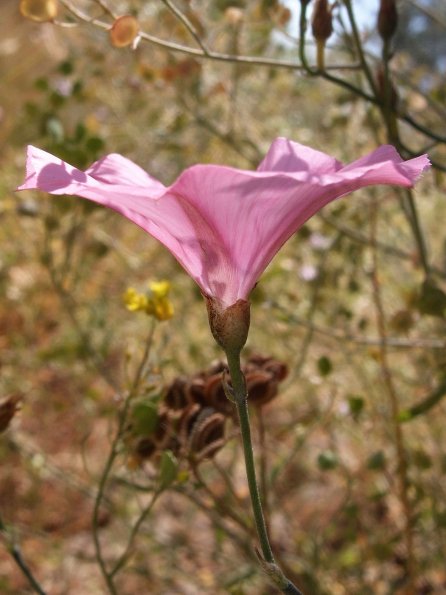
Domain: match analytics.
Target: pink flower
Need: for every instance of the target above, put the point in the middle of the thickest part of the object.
(224, 225)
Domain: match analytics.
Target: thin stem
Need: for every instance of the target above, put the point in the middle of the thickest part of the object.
(220, 504)
(17, 555)
(186, 22)
(425, 404)
(263, 461)
(320, 55)
(133, 533)
(402, 466)
(359, 49)
(302, 32)
(108, 576)
(414, 222)
(241, 401)
(348, 337)
(391, 123)
(198, 52)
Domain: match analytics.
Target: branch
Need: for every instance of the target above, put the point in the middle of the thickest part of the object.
(199, 53)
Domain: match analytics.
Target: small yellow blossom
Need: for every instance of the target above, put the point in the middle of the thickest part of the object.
(159, 304)
(159, 289)
(155, 303)
(135, 301)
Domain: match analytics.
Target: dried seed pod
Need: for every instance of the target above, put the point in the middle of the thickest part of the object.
(177, 396)
(186, 423)
(40, 11)
(124, 31)
(145, 448)
(262, 387)
(195, 391)
(217, 367)
(387, 19)
(258, 360)
(164, 435)
(207, 435)
(278, 369)
(215, 396)
(8, 408)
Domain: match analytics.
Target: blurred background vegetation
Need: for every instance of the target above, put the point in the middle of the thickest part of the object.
(351, 449)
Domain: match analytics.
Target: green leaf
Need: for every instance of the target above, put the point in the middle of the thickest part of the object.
(432, 300)
(327, 460)
(168, 469)
(41, 84)
(66, 67)
(421, 459)
(356, 405)
(404, 415)
(94, 144)
(79, 132)
(376, 461)
(324, 366)
(144, 418)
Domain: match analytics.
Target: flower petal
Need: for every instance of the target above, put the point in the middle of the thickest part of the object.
(116, 169)
(222, 224)
(287, 156)
(150, 206)
(386, 166)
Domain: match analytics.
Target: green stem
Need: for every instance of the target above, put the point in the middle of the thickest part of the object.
(241, 401)
(114, 451)
(142, 517)
(359, 48)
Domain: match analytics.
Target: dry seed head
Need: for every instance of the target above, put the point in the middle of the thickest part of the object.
(124, 31)
(215, 395)
(177, 395)
(207, 434)
(262, 387)
(195, 390)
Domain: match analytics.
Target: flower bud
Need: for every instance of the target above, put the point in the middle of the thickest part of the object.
(322, 21)
(387, 19)
(229, 325)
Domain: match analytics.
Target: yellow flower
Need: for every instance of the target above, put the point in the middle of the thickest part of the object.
(135, 301)
(155, 303)
(162, 309)
(159, 305)
(159, 289)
